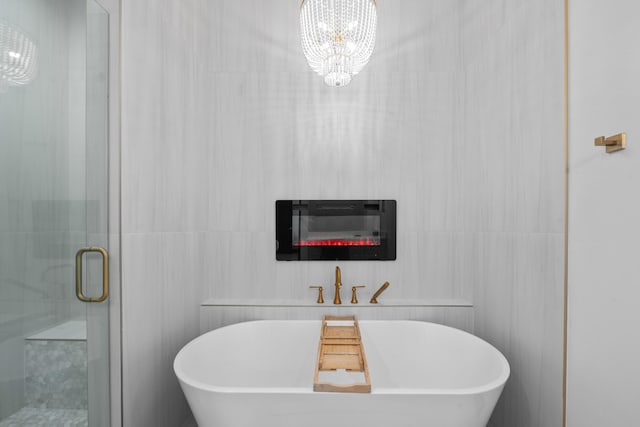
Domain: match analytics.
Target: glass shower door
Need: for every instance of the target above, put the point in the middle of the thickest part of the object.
(53, 202)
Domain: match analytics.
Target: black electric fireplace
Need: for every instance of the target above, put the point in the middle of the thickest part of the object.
(308, 230)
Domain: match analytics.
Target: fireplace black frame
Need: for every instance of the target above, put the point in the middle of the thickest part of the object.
(380, 247)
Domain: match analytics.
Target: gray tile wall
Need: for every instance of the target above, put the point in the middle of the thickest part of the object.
(603, 348)
(514, 166)
(458, 116)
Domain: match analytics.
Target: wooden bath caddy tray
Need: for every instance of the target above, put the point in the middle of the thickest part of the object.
(341, 365)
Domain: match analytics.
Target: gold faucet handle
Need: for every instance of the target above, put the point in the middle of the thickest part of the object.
(320, 298)
(354, 296)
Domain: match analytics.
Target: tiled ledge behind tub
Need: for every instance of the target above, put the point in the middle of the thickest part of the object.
(215, 313)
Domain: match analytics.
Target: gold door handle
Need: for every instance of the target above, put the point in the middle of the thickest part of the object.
(105, 275)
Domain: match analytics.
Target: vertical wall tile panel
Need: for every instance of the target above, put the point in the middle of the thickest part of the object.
(165, 145)
(161, 273)
(518, 308)
(603, 346)
(514, 173)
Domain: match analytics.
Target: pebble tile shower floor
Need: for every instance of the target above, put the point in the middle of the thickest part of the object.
(37, 417)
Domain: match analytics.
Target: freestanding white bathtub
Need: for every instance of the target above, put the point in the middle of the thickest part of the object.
(260, 374)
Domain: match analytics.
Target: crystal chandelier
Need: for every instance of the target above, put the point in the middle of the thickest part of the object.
(17, 57)
(338, 37)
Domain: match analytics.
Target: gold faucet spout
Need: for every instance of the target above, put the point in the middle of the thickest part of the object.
(338, 284)
(374, 298)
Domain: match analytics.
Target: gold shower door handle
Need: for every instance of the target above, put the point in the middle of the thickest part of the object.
(105, 275)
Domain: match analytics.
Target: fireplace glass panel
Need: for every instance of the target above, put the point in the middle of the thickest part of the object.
(335, 230)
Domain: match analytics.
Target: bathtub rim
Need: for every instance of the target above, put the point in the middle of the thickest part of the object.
(495, 384)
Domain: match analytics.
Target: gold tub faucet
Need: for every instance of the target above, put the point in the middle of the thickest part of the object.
(338, 284)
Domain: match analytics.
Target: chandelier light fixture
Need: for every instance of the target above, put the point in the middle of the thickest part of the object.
(338, 37)
(17, 57)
